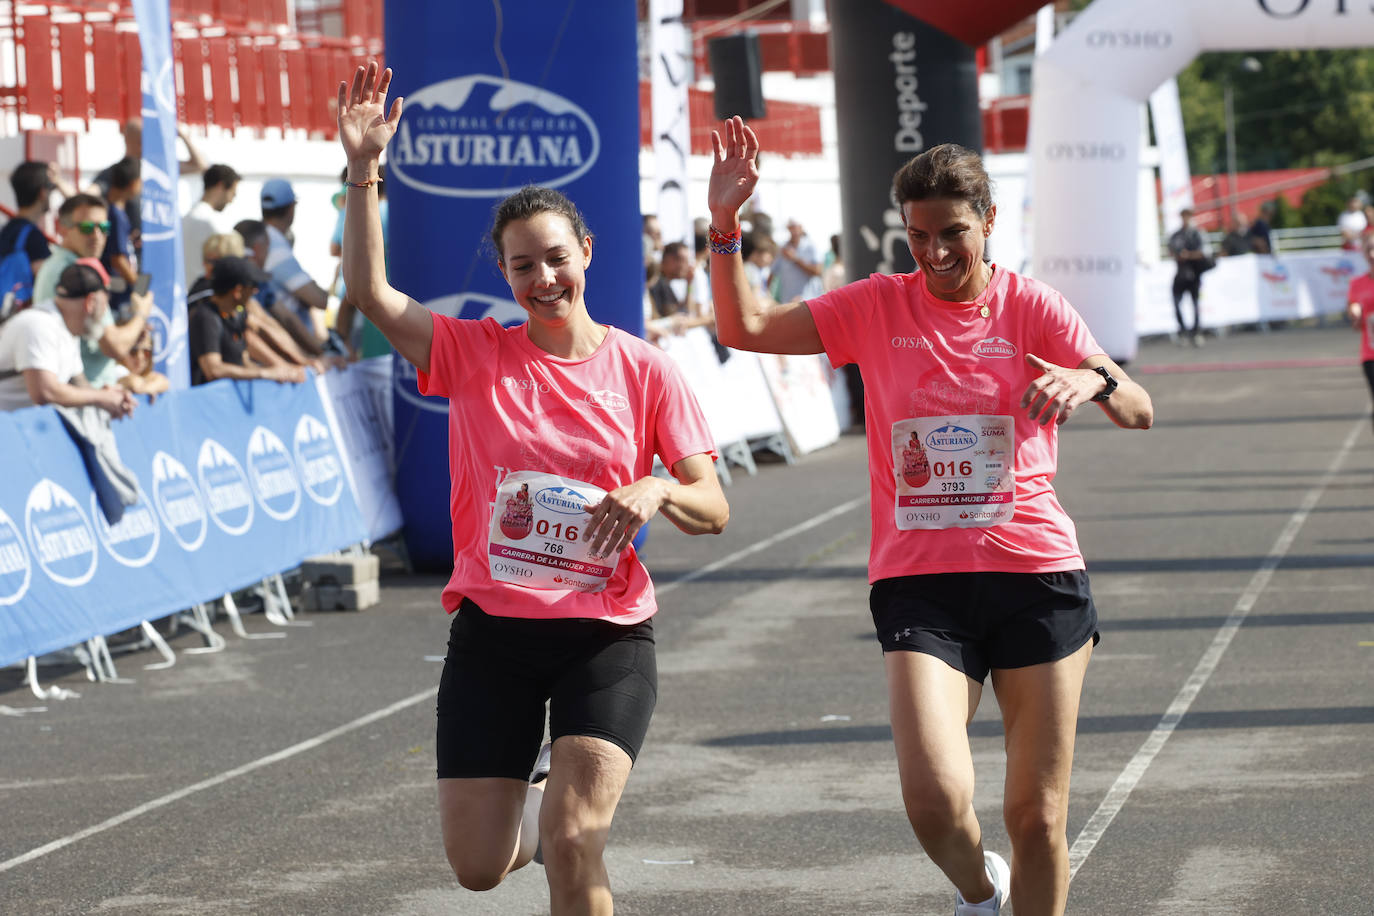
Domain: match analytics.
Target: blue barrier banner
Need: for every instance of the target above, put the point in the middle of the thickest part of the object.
(237, 481)
(498, 96)
(161, 255)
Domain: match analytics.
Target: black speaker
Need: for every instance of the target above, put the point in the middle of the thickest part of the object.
(737, 67)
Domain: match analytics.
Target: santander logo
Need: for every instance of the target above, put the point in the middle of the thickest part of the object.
(995, 348)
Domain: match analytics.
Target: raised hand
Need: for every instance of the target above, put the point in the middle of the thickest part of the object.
(365, 127)
(734, 172)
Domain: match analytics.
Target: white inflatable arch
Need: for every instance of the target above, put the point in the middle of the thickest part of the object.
(1085, 128)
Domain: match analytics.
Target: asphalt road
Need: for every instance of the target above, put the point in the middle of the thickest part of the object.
(1226, 743)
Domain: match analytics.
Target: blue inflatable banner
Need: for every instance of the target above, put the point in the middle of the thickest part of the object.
(237, 481)
(161, 255)
(498, 96)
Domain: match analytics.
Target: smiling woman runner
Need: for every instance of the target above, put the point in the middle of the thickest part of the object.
(551, 481)
(968, 371)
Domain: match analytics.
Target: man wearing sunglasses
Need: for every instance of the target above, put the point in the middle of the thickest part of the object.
(83, 224)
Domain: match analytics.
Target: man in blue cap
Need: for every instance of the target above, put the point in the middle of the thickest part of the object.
(301, 293)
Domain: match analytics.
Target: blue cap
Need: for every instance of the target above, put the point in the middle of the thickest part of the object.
(277, 192)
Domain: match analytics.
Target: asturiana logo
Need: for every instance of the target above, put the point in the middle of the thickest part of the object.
(225, 487)
(995, 348)
(564, 500)
(178, 502)
(318, 461)
(607, 400)
(1278, 274)
(61, 535)
(483, 136)
(272, 474)
(133, 540)
(951, 438)
(14, 562)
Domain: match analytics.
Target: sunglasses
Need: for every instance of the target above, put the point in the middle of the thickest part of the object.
(89, 226)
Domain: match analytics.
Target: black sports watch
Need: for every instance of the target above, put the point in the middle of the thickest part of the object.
(1111, 384)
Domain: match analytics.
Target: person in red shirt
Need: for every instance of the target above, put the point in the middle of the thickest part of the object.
(975, 566)
(1360, 310)
(571, 413)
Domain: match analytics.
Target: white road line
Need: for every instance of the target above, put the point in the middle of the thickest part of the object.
(763, 544)
(213, 781)
(1125, 783)
(396, 707)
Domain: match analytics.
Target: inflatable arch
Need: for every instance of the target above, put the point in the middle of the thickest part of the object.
(1085, 128)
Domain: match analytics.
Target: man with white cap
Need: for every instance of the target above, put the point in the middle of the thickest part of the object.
(40, 360)
(302, 293)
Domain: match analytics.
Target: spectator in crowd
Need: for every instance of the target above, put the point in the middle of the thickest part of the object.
(673, 309)
(758, 249)
(217, 327)
(700, 285)
(206, 216)
(257, 247)
(798, 267)
(119, 257)
(142, 378)
(82, 226)
(1352, 222)
(1236, 240)
(301, 294)
(359, 334)
(106, 356)
(833, 278)
(267, 343)
(653, 237)
(1189, 251)
(40, 360)
(1258, 233)
(194, 164)
(33, 185)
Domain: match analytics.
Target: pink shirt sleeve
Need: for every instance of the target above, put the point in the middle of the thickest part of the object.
(843, 316)
(457, 348)
(680, 429)
(1065, 338)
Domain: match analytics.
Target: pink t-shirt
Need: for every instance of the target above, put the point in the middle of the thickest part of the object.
(923, 357)
(599, 420)
(1362, 291)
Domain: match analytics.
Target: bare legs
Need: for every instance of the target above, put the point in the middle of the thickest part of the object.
(491, 826)
(931, 705)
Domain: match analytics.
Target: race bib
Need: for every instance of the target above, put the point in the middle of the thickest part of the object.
(536, 537)
(954, 472)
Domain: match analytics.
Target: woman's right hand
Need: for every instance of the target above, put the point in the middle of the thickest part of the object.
(365, 128)
(734, 172)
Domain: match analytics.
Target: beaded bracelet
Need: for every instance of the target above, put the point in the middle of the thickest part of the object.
(723, 242)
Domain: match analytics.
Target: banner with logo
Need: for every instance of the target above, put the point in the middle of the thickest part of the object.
(1175, 177)
(1251, 288)
(1085, 128)
(359, 402)
(161, 253)
(670, 70)
(498, 96)
(237, 481)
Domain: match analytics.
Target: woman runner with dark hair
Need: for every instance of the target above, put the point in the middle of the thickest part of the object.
(975, 566)
(553, 606)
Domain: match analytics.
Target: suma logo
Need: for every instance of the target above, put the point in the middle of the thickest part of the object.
(483, 136)
(607, 400)
(563, 500)
(995, 348)
(951, 438)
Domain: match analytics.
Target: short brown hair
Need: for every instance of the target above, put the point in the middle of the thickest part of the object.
(948, 171)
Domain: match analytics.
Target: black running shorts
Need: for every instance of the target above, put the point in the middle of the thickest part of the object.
(1369, 374)
(982, 620)
(600, 680)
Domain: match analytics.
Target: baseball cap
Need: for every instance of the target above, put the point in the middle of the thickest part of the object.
(227, 273)
(79, 280)
(277, 192)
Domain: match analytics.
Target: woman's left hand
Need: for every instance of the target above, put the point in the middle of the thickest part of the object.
(1055, 394)
(617, 519)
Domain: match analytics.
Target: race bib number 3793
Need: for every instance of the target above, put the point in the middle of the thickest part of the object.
(537, 534)
(954, 472)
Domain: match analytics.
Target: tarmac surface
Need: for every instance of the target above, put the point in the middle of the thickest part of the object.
(1225, 759)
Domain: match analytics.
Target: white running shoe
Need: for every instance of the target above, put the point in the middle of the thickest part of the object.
(999, 873)
(541, 764)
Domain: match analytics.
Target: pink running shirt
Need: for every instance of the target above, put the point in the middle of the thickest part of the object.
(600, 420)
(924, 357)
(1362, 291)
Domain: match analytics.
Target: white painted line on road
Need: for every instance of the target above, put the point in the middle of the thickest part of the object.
(217, 780)
(763, 544)
(1135, 769)
(396, 707)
